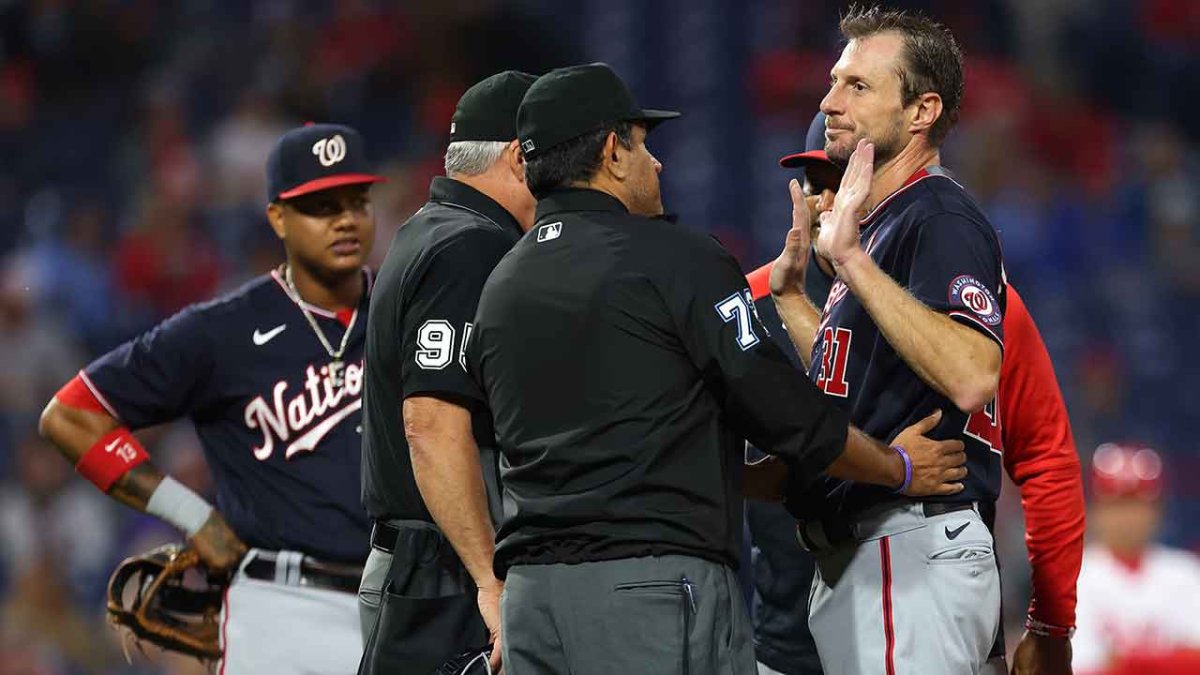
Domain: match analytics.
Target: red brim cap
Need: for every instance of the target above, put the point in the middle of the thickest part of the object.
(1123, 470)
(327, 182)
(1149, 489)
(804, 159)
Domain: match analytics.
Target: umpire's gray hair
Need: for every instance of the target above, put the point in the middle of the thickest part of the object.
(471, 158)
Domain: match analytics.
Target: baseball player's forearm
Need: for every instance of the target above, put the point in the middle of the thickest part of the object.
(77, 433)
(1054, 531)
(801, 319)
(958, 362)
(445, 462)
(74, 432)
(1040, 457)
(866, 460)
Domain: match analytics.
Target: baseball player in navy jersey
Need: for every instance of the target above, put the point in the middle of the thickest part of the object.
(1039, 456)
(271, 375)
(912, 324)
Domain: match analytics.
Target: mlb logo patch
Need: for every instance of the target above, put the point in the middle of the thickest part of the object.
(548, 232)
(527, 145)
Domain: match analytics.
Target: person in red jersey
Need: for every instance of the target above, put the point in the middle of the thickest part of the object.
(1137, 598)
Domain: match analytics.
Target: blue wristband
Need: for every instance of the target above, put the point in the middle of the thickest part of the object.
(908, 469)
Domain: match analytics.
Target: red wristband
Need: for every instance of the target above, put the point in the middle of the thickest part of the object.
(110, 458)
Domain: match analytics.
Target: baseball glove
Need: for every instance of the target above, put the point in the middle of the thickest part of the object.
(168, 598)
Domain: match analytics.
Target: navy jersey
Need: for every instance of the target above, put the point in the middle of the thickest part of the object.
(281, 440)
(933, 239)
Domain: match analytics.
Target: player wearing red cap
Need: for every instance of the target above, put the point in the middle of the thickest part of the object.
(1137, 599)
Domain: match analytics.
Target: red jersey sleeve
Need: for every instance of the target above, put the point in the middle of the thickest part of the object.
(1040, 457)
(760, 281)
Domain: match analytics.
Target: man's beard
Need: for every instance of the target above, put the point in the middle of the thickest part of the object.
(646, 200)
(886, 149)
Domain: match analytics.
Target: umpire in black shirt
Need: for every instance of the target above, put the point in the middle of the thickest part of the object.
(624, 367)
(428, 460)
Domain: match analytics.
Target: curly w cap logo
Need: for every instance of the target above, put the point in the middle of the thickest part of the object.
(330, 151)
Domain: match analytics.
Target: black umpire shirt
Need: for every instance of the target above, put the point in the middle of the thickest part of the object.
(624, 367)
(421, 309)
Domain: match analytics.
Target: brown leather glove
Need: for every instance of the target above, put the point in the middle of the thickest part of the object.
(168, 598)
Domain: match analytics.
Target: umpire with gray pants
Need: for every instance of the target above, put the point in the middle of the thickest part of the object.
(624, 368)
(429, 473)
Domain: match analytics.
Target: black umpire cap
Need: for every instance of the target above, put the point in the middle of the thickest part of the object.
(317, 157)
(566, 103)
(488, 110)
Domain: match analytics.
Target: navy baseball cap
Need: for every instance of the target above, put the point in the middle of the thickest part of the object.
(488, 110)
(317, 157)
(814, 147)
(566, 103)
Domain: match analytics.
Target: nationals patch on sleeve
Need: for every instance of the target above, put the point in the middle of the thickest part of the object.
(967, 291)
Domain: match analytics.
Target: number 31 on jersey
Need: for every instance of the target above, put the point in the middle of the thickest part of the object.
(835, 352)
(983, 425)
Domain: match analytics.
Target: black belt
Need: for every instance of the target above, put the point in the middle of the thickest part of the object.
(383, 536)
(313, 572)
(932, 509)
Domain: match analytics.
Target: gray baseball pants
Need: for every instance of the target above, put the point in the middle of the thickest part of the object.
(661, 614)
(908, 594)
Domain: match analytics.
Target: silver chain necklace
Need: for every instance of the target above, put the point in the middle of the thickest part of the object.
(336, 366)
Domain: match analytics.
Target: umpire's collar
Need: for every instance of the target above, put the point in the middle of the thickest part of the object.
(583, 199)
(577, 199)
(456, 193)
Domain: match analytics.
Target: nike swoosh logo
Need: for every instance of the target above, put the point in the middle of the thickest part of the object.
(261, 338)
(953, 534)
(110, 446)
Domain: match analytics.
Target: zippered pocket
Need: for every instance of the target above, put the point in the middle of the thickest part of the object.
(682, 588)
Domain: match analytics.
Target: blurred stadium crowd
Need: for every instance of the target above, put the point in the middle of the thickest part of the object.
(133, 136)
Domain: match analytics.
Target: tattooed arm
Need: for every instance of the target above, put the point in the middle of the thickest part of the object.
(74, 431)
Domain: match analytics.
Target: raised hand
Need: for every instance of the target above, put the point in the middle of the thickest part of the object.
(787, 275)
(937, 465)
(838, 239)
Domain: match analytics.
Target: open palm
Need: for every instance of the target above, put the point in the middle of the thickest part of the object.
(839, 226)
(787, 275)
